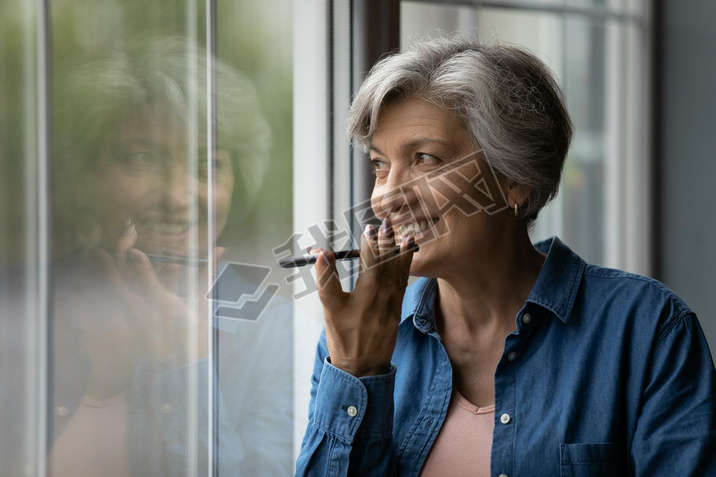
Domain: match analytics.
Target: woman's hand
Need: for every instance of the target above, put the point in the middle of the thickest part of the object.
(362, 326)
(129, 313)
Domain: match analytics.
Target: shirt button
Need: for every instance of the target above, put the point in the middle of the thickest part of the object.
(62, 411)
(512, 356)
(167, 408)
(352, 411)
(502, 475)
(526, 318)
(505, 418)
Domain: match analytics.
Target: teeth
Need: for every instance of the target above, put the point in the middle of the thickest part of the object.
(166, 228)
(415, 227)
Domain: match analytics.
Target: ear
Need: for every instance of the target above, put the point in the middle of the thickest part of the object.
(517, 194)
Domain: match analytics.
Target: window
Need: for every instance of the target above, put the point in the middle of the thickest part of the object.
(599, 51)
(146, 150)
(158, 157)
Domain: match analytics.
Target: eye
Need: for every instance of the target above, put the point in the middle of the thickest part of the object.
(140, 157)
(141, 160)
(221, 163)
(378, 167)
(426, 159)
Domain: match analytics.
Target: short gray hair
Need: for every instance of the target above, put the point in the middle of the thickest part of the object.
(506, 98)
(167, 74)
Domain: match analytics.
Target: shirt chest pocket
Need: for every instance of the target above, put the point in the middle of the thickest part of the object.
(592, 460)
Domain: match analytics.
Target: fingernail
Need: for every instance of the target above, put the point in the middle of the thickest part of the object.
(370, 231)
(127, 228)
(385, 228)
(95, 234)
(409, 244)
(412, 245)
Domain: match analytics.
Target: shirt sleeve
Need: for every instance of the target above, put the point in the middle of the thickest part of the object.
(676, 430)
(350, 422)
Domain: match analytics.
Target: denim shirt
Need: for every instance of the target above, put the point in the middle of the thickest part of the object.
(607, 373)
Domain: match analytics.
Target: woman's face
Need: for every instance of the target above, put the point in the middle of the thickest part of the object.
(417, 151)
(144, 172)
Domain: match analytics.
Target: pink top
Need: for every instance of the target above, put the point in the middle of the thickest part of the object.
(464, 443)
(94, 442)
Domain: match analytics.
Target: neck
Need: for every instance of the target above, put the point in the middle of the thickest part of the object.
(486, 294)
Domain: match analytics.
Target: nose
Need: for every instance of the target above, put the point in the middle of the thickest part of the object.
(396, 195)
(176, 187)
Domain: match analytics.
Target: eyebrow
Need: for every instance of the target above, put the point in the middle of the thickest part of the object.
(417, 142)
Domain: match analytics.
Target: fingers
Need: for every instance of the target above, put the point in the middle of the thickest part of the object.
(125, 241)
(386, 240)
(377, 247)
(378, 254)
(369, 251)
(134, 265)
(100, 267)
(329, 283)
(141, 276)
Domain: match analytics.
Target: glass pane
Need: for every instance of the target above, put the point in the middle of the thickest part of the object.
(171, 348)
(625, 7)
(540, 33)
(21, 269)
(587, 56)
(255, 362)
(131, 189)
(585, 181)
(438, 11)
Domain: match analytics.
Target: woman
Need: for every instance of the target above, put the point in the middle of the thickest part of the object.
(505, 358)
(130, 358)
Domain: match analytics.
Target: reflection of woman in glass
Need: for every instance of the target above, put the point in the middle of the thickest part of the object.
(130, 363)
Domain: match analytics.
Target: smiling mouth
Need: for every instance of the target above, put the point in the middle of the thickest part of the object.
(414, 228)
(164, 227)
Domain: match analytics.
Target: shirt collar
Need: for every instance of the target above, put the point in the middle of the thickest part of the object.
(555, 289)
(558, 280)
(419, 303)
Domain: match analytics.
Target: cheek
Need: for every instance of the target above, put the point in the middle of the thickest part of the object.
(468, 233)
(392, 201)
(223, 193)
(375, 204)
(118, 192)
(446, 198)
